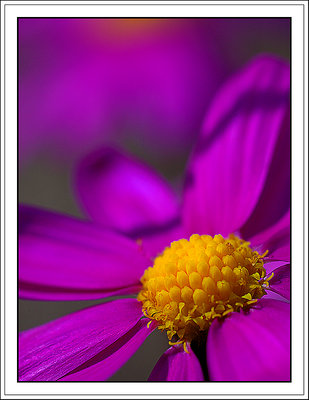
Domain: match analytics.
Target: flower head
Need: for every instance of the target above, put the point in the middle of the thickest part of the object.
(213, 273)
(194, 282)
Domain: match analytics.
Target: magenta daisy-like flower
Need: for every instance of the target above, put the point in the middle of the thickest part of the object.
(212, 272)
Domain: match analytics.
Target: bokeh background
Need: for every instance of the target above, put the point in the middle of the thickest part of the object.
(142, 85)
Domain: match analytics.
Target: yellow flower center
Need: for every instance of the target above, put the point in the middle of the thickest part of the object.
(195, 281)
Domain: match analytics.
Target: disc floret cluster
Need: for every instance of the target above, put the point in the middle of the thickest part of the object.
(195, 281)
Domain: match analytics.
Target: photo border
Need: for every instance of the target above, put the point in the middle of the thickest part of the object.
(4, 175)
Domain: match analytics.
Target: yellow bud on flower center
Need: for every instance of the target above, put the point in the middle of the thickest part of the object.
(195, 281)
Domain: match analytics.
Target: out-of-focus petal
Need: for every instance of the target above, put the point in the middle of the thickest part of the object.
(178, 366)
(75, 92)
(253, 346)
(123, 193)
(230, 166)
(108, 361)
(50, 351)
(62, 258)
(276, 239)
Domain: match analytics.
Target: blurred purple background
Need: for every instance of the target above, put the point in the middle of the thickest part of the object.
(140, 84)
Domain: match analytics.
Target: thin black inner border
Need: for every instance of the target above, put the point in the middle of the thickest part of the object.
(108, 18)
(148, 4)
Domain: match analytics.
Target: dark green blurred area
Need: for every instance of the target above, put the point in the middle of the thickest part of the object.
(48, 184)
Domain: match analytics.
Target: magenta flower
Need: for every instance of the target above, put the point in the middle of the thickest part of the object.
(218, 297)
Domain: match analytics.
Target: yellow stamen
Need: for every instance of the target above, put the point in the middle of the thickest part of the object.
(195, 281)
(185, 347)
(265, 282)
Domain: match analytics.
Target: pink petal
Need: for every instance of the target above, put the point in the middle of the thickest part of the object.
(53, 292)
(63, 258)
(271, 265)
(107, 362)
(50, 351)
(153, 241)
(230, 166)
(275, 239)
(123, 193)
(281, 281)
(178, 366)
(253, 346)
(283, 253)
(274, 200)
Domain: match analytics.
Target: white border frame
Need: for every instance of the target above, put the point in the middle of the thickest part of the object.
(10, 10)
